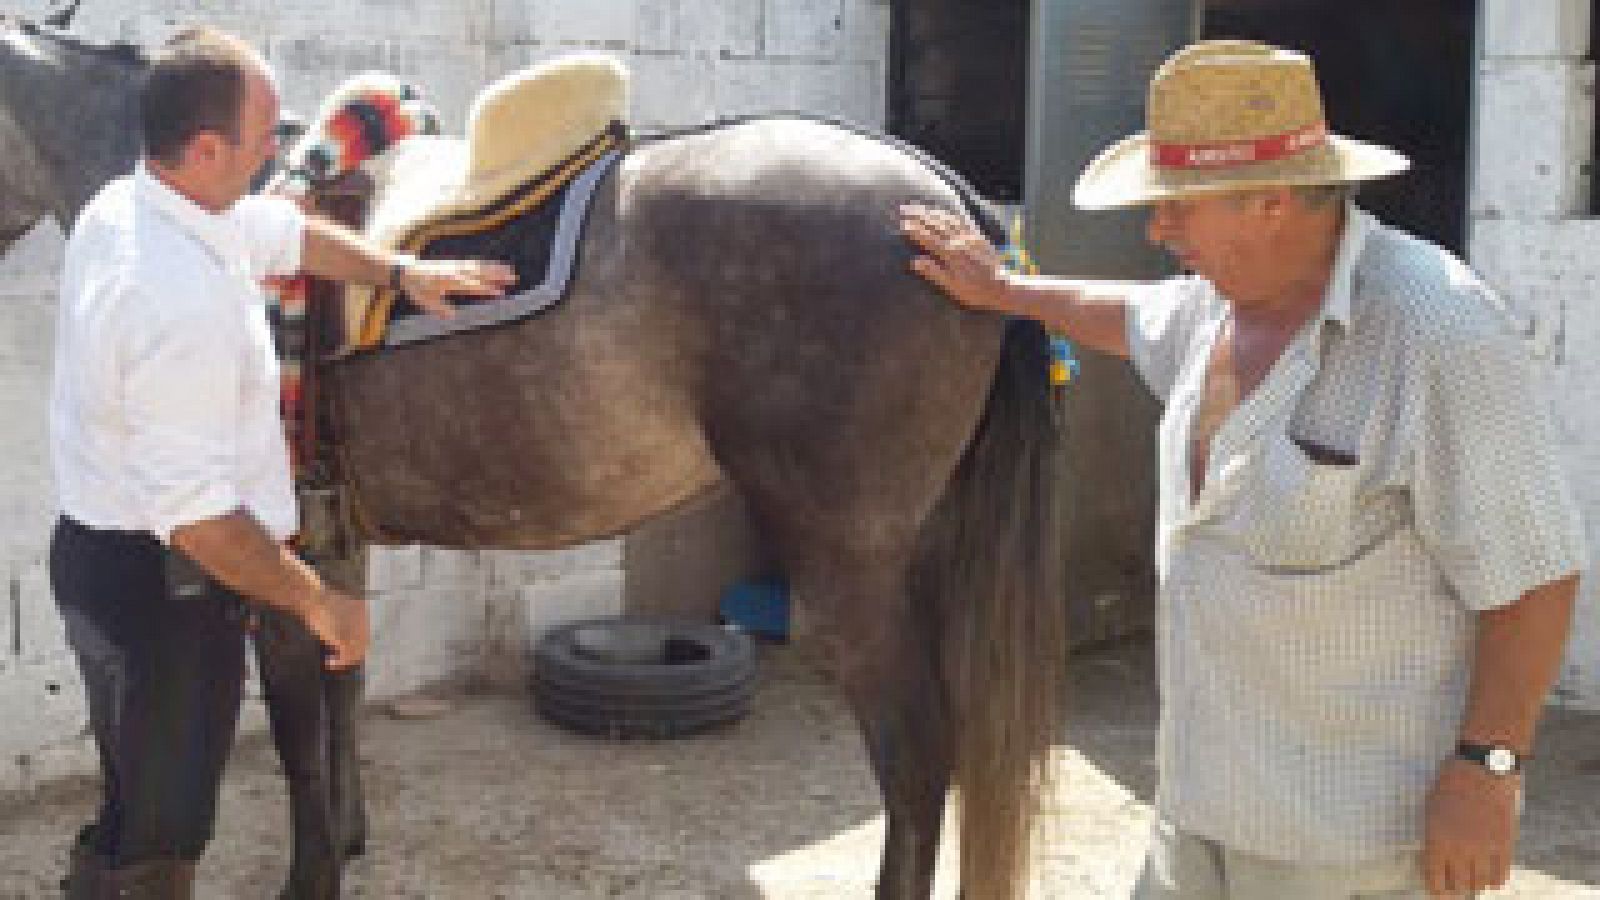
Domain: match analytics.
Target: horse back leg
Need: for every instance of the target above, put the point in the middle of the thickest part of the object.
(290, 662)
(344, 692)
(887, 672)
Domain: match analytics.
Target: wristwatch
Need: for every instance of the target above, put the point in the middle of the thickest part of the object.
(1497, 758)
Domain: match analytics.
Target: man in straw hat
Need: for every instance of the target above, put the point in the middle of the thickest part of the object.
(1367, 551)
(169, 453)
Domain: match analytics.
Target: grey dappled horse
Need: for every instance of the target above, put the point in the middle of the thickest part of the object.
(68, 124)
(742, 310)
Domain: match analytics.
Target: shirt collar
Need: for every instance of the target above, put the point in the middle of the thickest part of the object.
(1336, 299)
(216, 232)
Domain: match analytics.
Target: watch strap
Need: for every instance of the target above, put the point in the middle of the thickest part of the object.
(1491, 756)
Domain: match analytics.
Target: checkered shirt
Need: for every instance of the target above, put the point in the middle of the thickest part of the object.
(1395, 472)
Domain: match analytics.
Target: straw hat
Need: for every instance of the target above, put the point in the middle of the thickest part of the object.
(1228, 115)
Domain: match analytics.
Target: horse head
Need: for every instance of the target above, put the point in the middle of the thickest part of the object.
(68, 122)
(26, 192)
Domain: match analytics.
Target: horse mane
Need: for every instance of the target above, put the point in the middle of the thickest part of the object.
(61, 18)
(121, 52)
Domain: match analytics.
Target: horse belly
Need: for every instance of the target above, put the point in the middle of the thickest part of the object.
(523, 437)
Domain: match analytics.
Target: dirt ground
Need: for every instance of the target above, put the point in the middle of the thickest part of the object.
(488, 801)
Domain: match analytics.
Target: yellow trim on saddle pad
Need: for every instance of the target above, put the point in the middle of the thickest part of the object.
(375, 320)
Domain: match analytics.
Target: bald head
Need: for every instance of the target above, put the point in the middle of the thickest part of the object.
(198, 82)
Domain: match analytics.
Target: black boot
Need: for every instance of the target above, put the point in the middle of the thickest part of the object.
(157, 879)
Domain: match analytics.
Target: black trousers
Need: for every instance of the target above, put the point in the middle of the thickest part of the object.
(161, 650)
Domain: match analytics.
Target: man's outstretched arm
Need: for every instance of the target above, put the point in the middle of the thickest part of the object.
(962, 263)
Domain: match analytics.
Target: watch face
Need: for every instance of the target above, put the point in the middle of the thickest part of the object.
(1500, 761)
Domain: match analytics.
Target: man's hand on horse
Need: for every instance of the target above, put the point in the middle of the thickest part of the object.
(430, 283)
(959, 259)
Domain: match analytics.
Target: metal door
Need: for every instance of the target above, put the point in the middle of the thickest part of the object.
(1090, 68)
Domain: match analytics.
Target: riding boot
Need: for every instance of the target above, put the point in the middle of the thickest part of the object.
(86, 870)
(158, 879)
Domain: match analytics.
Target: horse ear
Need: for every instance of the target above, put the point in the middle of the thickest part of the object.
(62, 18)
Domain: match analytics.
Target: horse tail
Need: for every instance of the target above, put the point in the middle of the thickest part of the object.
(989, 571)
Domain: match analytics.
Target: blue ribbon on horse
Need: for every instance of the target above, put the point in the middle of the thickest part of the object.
(1063, 360)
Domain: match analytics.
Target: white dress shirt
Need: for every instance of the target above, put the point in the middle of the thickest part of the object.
(164, 410)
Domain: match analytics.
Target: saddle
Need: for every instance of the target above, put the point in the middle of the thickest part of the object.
(517, 190)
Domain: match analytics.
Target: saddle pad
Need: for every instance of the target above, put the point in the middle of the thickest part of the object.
(535, 229)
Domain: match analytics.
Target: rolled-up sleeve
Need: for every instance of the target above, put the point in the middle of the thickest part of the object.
(274, 233)
(1161, 323)
(1492, 500)
(181, 398)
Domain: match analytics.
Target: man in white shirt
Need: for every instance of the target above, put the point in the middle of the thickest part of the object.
(169, 452)
(1366, 547)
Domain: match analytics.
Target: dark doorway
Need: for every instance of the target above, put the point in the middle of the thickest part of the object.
(1594, 57)
(1398, 74)
(958, 86)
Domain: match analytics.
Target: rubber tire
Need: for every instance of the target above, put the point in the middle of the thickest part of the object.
(605, 678)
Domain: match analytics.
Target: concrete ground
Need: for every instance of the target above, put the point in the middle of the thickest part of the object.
(488, 801)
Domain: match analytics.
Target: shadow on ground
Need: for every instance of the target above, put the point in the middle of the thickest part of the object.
(488, 801)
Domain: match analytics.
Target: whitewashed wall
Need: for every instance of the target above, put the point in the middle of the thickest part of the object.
(1535, 238)
(41, 702)
(438, 614)
(692, 59)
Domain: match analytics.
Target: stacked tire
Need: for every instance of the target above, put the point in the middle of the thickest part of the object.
(643, 677)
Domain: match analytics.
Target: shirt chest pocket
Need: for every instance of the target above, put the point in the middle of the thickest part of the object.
(1297, 506)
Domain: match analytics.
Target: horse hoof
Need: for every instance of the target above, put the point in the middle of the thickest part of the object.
(324, 888)
(322, 892)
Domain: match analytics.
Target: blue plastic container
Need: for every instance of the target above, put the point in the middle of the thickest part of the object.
(758, 608)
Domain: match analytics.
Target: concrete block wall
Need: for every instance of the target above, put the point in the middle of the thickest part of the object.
(41, 705)
(693, 59)
(1533, 234)
(438, 614)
